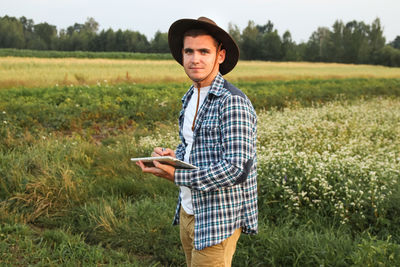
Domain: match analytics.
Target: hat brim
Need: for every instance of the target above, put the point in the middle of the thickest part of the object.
(178, 29)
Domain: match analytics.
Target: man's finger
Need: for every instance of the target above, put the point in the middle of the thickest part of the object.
(159, 151)
(168, 152)
(164, 167)
(155, 154)
(152, 170)
(140, 164)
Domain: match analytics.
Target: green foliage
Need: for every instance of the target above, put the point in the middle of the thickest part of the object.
(329, 160)
(69, 194)
(267, 95)
(373, 252)
(81, 54)
(94, 109)
(353, 42)
(21, 245)
(46, 33)
(160, 43)
(11, 34)
(388, 56)
(142, 227)
(295, 245)
(23, 33)
(108, 109)
(396, 42)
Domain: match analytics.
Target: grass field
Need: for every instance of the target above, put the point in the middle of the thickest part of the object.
(328, 164)
(43, 72)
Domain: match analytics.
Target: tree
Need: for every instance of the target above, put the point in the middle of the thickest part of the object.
(91, 25)
(356, 44)
(80, 36)
(353, 42)
(159, 44)
(267, 28)
(249, 42)
(270, 46)
(11, 33)
(79, 41)
(289, 52)
(318, 45)
(376, 40)
(337, 45)
(235, 33)
(110, 42)
(269, 42)
(63, 42)
(76, 28)
(396, 42)
(375, 34)
(389, 56)
(120, 42)
(45, 33)
(136, 42)
(27, 24)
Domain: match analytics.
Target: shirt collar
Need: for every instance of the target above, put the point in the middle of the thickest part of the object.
(217, 85)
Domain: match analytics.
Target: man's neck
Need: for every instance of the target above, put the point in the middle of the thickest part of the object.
(206, 82)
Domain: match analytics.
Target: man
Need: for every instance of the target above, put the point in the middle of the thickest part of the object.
(217, 127)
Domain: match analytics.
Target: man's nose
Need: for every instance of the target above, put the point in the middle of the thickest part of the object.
(196, 57)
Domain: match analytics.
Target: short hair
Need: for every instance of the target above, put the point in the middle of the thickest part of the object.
(197, 32)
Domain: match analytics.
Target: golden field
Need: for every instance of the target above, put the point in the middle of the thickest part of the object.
(41, 72)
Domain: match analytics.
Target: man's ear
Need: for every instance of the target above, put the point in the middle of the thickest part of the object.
(221, 56)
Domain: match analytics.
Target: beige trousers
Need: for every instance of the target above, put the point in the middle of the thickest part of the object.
(215, 256)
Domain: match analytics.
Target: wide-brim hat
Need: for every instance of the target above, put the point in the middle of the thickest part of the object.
(179, 27)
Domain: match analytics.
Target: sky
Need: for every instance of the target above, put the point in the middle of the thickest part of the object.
(300, 17)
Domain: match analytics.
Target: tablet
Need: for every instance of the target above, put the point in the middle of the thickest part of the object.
(179, 164)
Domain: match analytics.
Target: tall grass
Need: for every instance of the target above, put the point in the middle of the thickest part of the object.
(328, 157)
(22, 246)
(83, 197)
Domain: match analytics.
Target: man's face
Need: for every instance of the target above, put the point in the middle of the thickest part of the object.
(199, 56)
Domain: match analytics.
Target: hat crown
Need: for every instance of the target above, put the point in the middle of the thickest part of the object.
(205, 19)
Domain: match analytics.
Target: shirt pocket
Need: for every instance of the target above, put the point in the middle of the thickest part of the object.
(210, 137)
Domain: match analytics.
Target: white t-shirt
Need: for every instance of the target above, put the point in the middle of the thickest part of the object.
(190, 111)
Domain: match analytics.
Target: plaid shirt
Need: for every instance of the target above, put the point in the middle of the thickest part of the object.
(224, 188)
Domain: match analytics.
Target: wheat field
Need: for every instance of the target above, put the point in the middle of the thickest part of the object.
(43, 72)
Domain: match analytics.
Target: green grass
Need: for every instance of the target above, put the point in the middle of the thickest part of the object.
(98, 110)
(21, 245)
(12, 52)
(69, 194)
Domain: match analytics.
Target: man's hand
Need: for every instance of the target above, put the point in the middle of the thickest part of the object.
(158, 151)
(160, 170)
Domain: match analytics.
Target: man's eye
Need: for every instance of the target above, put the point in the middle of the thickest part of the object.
(204, 52)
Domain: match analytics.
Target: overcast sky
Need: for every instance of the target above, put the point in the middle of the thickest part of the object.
(300, 17)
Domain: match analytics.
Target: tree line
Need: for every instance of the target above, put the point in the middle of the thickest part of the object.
(352, 42)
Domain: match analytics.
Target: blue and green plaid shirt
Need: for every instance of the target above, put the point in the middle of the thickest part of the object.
(224, 188)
